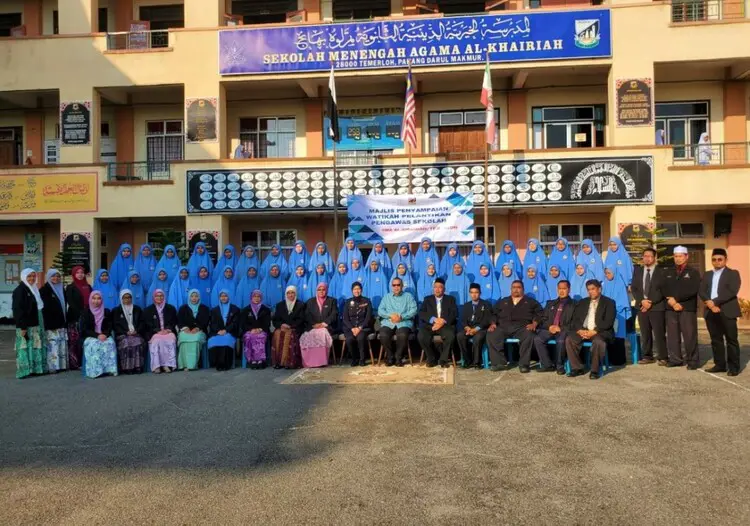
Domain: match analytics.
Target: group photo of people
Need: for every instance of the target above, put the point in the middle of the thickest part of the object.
(572, 312)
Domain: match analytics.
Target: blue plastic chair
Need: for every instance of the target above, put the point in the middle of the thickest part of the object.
(635, 347)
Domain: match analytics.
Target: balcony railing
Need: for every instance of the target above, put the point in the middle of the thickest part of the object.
(137, 40)
(706, 10)
(714, 154)
(139, 171)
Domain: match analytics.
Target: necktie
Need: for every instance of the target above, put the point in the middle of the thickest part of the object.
(558, 314)
(647, 285)
(438, 309)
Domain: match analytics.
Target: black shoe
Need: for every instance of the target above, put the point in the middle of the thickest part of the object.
(390, 363)
(362, 363)
(692, 367)
(524, 369)
(672, 364)
(445, 365)
(477, 366)
(466, 365)
(547, 369)
(431, 364)
(732, 373)
(561, 372)
(497, 368)
(399, 363)
(277, 366)
(593, 376)
(355, 363)
(716, 369)
(576, 372)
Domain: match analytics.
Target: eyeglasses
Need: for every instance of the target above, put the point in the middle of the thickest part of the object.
(717, 259)
(395, 284)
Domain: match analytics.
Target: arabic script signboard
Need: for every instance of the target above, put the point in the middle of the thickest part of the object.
(40, 194)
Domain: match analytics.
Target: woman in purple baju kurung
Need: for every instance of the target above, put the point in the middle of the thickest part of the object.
(255, 325)
(160, 327)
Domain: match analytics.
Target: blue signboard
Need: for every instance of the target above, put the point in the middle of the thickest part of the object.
(552, 35)
(367, 132)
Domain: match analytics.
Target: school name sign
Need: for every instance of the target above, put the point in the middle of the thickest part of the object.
(409, 218)
(420, 41)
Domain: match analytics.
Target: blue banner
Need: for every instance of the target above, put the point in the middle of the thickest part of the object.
(551, 35)
(367, 132)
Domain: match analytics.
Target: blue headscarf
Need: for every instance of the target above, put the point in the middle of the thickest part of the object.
(346, 255)
(224, 307)
(244, 263)
(407, 278)
(536, 258)
(474, 260)
(425, 282)
(592, 261)
(425, 257)
(245, 288)
(506, 281)
(616, 290)
(279, 260)
(297, 259)
(458, 285)
(272, 288)
(204, 286)
(121, 266)
(578, 283)
(315, 279)
(299, 282)
(136, 289)
(179, 290)
(562, 259)
(316, 259)
(224, 262)
(381, 257)
(223, 283)
(145, 265)
(620, 261)
(170, 264)
(337, 287)
(353, 275)
(489, 284)
(110, 296)
(512, 256)
(197, 261)
(447, 261)
(376, 285)
(535, 287)
(160, 284)
(552, 282)
(194, 308)
(398, 259)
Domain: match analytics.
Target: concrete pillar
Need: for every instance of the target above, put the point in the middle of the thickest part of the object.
(32, 17)
(735, 129)
(84, 224)
(314, 127)
(518, 131)
(200, 87)
(125, 133)
(77, 17)
(84, 154)
(34, 137)
(738, 247)
(204, 13)
(123, 15)
(313, 10)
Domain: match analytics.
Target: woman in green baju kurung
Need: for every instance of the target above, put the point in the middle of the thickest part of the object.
(30, 338)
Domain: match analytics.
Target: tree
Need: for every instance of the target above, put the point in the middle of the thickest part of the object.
(642, 237)
(162, 238)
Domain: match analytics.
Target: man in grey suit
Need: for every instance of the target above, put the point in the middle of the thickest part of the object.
(718, 292)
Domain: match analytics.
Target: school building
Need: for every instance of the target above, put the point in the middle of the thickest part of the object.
(122, 118)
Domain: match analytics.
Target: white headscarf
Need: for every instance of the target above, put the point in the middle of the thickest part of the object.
(290, 305)
(33, 288)
(127, 309)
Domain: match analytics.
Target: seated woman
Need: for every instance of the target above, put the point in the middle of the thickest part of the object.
(255, 324)
(192, 319)
(321, 320)
(99, 353)
(126, 321)
(289, 322)
(222, 333)
(55, 325)
(159, 328)
(28, 317)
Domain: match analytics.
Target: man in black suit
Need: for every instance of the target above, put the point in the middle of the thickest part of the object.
(593, 320)
(475, 319)
(648, 281)
(516, 316)
(681, 285)
(718, 292)
(555, 325)
(437, 317)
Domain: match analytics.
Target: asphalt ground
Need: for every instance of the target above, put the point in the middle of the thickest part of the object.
(643, 445)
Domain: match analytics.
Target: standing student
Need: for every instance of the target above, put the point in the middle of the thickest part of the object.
(349, 252)
(457, 284)
(202, 282)
(145, 264)
(554, 276)
(160, 329)
(534, 286)
(134, 284)
(272, 287)
(170, 262)
(555, 325)
(223, 330)
(478, 256)
(380, 254)
(228, 259)
(298, 280)
(403, 256)
(160, 282)
(200, 258)
(474, 320)
(275, 257)
(376, 283)
(224, 282)
(299, 256)
(508, 254)
(247, 259)
(192, 320)
(77, 296)
(426, 255)
(56, 327)
(122, 265)
(615, 289)
(647, 288)
(719, 290)
(681, 285)
(562, 257)
(180, 288)
(127, 320)
(396, 313)
(426, 280)
(578, 281)
(407, 279)
(437, 317)
(320, 255)
(249, 282)
(98, 346)
(30, 343)
(506, 279)
(357, 324)
(535, 256)
(591, 260)
(255, 325)
(487, 280)
(108, 289)
(451, 256)
(618, 259)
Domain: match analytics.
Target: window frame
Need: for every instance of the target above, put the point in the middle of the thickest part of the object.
(598, 124)
(680, 151)
(263, 251)
(251, 143)
(433, 129)
(574, 245)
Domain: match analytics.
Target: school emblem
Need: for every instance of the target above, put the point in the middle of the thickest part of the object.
(587, 34)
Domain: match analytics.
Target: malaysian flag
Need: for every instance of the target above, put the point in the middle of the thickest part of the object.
(486, 100)
(409, 124)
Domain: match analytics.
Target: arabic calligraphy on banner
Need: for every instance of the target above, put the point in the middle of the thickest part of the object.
(37, 194)
(423, 41)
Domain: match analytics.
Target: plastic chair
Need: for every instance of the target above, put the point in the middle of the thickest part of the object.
(635, 347)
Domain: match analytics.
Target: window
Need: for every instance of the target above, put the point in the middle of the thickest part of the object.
(103, 260)
(103, 239)
(268, 136)
(671, 230)
(51, 152)
(682, 123)
(549, 234)
(8, 21)
(359, 10)
(263, 11)
(459, 133)
(103, 20)
(674, 230)
(264, 239)
(569, 126)
(163, 144)
(55, 22)
(359, 157)
(104, 129)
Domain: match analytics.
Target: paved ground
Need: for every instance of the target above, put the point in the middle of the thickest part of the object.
(644, 445)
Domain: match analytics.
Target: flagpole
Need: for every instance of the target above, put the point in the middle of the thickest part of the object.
(408, 149)
(335, 203)
(486, 194)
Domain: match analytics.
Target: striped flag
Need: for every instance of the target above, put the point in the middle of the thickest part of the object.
(409, 124)
(486, 99)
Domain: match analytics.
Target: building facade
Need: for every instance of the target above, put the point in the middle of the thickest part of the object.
(120, 119)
